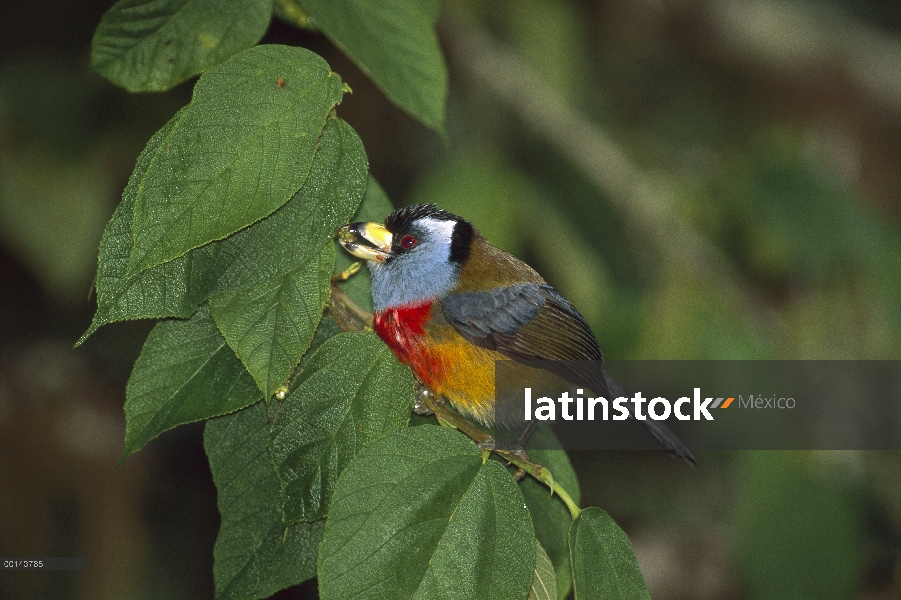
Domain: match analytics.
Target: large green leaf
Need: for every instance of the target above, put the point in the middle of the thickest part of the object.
(394, 43)
(297, 232)
(255, 554)
(418, 514)
(185, 373)
(327, 329)
(173, 293)
(350, 392)
(603, 561)
(239, 151)
(544, 582)
(270, 326)
(550, 516)
(291, 235)
(150, 46)
(173, 289)
(375, 207)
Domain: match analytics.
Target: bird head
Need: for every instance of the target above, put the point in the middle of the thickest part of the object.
(414, 257)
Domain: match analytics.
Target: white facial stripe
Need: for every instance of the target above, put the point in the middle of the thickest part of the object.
(438, 229)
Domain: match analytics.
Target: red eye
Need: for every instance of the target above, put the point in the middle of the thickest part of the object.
(408, 241)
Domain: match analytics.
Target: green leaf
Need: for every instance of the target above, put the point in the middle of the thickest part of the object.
(297, 232)
(327, 329)
(151, 46)
(393, 42)
(350, 392)
(291, 235)
(174, 290)
(375, 207)
(419, 514)
(185, 373)
(604, 563)
(255, 554)
(544, 582)
(239, 151)
(550, 516)
(270, 326)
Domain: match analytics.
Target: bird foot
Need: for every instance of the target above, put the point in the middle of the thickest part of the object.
(347, 273)
(516, 452)
(422, 394)
(513, 450)
(488, 445)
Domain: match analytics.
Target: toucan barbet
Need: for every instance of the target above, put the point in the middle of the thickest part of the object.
(449, 304)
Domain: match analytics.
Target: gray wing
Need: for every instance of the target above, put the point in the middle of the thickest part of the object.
(480, 315)
(530, 322)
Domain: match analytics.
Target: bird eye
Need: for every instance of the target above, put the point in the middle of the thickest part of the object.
(408, 241)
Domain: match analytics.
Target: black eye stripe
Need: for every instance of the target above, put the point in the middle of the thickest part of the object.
(461, 241)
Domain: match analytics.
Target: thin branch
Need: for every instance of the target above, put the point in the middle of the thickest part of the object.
(835, 42)
(349, 315)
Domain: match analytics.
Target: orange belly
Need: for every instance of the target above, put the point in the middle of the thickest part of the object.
(441, 359)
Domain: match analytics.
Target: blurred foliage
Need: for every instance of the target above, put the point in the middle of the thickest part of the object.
(67, 145)
(549, 34)
(788, 168)
(51, 186)
(797, 514)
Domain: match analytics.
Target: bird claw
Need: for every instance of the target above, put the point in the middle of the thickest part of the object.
(516, 452)
(422, 411)
(488, 445)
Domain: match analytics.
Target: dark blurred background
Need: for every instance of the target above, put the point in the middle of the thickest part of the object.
(703, 179)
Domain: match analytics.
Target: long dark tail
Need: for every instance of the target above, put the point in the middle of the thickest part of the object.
(660, 431)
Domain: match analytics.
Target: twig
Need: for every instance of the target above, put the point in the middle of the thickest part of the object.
(349, 315)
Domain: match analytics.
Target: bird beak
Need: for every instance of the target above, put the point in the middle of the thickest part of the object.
(370, 241)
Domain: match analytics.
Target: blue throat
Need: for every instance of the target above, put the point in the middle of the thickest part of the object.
(402, 282)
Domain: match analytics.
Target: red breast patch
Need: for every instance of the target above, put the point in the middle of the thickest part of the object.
(402, 328)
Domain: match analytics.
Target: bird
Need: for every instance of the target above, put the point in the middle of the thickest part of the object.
(449, 304)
